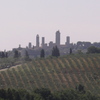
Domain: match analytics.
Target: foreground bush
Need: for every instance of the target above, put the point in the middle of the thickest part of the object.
(45, 94)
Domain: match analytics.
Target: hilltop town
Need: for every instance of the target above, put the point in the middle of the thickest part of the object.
(34, 51)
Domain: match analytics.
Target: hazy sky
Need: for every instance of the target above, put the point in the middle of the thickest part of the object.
(21, 20)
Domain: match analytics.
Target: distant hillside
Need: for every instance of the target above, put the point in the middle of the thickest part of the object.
(55, 73)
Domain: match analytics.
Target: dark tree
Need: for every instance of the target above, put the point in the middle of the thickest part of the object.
(2, 54)
(43, 92)
(93, 49)
(3, 94)
(80, 88)
(70, 51)
(55, 52)
(6, 54)
(16, 54)
(42, 54)
(17, 96)
(26, 55)
(10, 95)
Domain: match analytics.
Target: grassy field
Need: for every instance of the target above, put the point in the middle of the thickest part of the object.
(55, 73)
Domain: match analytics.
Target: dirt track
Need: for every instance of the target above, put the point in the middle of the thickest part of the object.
(10, 67)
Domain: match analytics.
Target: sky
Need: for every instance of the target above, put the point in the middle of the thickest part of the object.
(22, 20)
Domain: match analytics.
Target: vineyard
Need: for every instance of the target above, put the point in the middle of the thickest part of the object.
(55, 73)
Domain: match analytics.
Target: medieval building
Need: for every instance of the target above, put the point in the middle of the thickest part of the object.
(34, 51)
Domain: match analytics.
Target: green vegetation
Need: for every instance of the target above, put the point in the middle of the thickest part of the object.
(45, 94)
(3, 54)
(55, 52)
(93, 49)
(27, 58)
(5, 62)
(42, 54)
(56, 74)
(70, 51)
(16, 54)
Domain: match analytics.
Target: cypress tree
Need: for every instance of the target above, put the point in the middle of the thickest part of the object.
(16, 54)
(42, 55)
(70, 52)
(26, 55)
(6, 55)
(55, 51)
(2, 54)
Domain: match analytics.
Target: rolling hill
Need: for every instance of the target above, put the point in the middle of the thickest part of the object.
(55, 73)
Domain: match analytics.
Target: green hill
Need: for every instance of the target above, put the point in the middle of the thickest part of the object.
(55, 73)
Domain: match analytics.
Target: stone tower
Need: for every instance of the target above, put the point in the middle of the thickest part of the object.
(30, 45)
(37, 40)
(67, 40)
(58, 38)
(43, 42)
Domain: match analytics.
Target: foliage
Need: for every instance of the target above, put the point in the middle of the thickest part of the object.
(55, 52)
(70, 51)
(26, 56)
(80, 88)
(3, 54)
(16, 54)
(54, 73)
(9, 62)
(45, 94)
(42, 54)
(93, 49)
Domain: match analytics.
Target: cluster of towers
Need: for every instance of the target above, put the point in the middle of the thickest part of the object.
(51, 44)
(64, 48)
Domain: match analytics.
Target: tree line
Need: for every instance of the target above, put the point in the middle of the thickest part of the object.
(93, 49)
(17, 54)
(55, 52)
(3, 54)
(46, 94)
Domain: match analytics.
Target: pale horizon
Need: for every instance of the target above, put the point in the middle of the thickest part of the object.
(22, 20)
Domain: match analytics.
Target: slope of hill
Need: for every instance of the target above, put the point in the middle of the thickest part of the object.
(55, 73)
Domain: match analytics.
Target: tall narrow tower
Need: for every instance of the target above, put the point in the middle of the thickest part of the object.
(58, 38)
(67, 41)
(37, 40)
(30, 45)
(43, 41)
